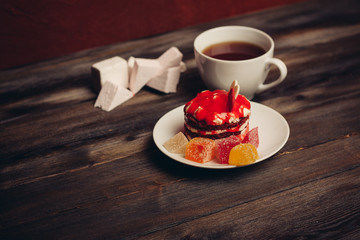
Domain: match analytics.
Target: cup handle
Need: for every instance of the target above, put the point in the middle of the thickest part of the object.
(283, 72)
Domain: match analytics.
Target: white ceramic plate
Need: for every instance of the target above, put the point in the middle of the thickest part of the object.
(273, 133)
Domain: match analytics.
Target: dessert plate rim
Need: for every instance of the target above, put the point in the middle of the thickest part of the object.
(273, 130)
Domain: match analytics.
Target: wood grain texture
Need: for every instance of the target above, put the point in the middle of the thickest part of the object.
(71, 171)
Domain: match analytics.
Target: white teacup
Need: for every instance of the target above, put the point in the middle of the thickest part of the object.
(250, 74)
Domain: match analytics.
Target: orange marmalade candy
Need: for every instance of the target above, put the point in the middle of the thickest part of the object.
(200, 150)
(243, 154)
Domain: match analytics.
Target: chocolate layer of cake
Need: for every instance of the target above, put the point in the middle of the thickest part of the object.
(195, 128)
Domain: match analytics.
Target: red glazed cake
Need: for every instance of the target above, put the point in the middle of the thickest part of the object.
(217, 114)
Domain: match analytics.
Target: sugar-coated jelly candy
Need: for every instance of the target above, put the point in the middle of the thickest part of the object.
(200, 150)
(252, 137)
(224, 146)
(243, 154)
(176, 144)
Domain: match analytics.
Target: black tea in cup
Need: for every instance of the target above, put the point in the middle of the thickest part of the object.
(233, 51)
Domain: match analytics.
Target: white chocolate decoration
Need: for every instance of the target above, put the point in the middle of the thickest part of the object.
(111, 96)
(236, 88)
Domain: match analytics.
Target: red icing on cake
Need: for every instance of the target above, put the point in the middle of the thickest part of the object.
(211, 107)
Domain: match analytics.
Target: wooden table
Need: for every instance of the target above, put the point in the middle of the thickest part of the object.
(72, 171)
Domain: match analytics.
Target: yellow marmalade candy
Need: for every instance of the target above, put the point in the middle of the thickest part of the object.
(243, 154)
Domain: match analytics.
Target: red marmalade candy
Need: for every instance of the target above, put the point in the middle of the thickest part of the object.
(224, 146)
(252, 137)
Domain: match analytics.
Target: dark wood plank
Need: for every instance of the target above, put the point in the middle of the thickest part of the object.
(154, 200)
(314, 215)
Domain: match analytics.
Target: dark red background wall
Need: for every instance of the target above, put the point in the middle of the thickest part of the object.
(34, 30)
